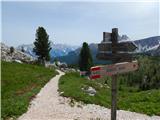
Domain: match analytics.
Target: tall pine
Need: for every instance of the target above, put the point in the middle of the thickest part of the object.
(42, 45)
(85, 58)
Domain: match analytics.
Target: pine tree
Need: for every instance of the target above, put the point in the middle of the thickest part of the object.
(85, 58)
(42, 45)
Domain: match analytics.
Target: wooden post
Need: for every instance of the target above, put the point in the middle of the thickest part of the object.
(114, 97)
(114, 39)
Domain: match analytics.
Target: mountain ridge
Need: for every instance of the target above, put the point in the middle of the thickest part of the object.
(70, 54)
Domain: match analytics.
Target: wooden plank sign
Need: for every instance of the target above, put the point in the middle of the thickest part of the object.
(113, 69)
(120, 68)
(118, 57)
(128, 46)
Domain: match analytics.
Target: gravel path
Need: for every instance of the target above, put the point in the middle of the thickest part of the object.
(48, 105)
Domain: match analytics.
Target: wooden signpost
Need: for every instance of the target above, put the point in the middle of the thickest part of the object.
(120, 55)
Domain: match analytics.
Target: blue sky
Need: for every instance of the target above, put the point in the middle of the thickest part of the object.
(75, 22)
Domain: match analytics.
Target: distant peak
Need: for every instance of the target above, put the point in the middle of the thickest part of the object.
(124, 38)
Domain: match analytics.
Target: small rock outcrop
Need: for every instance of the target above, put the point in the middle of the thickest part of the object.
(16, 55)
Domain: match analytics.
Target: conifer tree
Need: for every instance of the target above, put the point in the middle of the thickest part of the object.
(85, 58)
(42, 45)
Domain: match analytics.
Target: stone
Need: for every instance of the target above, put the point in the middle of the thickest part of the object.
(91, 91)
(18, 61)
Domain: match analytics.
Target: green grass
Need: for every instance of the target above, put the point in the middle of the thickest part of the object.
(19, 84)
(129, 98)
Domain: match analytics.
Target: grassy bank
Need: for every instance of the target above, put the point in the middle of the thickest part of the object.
(19, 84)
(129, 98)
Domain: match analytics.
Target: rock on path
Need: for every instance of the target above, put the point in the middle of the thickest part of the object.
(48, 105)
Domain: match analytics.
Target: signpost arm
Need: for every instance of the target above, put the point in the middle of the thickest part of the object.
(114, 39)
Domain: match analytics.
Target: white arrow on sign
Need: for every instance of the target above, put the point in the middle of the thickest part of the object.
(109, 70)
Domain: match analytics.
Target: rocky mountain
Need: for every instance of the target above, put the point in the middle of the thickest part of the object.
(56, 51)
(16, 55)
(28, 48)
(124, 38)
(155, 51)
(61, 49)
(148, 44)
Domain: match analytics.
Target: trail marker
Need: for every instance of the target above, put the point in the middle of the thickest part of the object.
(120, 53)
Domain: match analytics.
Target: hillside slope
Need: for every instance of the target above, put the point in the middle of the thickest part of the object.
(19, 84)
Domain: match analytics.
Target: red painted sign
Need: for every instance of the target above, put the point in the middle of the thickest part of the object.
(95, 72)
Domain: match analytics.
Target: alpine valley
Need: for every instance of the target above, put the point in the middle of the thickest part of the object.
(70, 54)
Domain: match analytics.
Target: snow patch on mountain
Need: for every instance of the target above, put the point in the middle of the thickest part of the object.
(153, 48)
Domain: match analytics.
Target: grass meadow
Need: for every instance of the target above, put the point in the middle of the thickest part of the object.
(19, 85)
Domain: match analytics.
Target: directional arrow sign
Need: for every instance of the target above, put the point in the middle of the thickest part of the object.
(122, 46)
(109, 70)
(118, 57)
